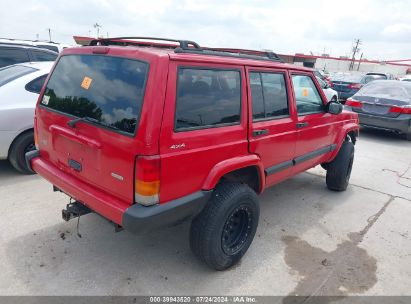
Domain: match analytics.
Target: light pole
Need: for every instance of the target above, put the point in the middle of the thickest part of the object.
(49, 30)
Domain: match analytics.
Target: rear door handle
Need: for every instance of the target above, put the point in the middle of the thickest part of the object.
(301, 125)
(260, 132)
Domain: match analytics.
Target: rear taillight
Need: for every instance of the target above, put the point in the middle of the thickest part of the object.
(355, 86)
(353, 103)
(147, 180)
(402, 110)
(36, 138)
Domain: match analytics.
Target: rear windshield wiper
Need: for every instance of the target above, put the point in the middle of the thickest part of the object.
(72, 123)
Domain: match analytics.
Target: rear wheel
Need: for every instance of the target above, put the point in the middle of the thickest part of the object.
(221, 234)
(339, 170)
(408, 136)
(21, 145)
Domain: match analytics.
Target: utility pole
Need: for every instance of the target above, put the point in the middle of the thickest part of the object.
(97, 27)
(355, 50)
(49, 30)
(358, 67)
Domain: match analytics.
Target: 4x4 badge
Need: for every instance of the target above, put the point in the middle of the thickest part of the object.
(179, 146)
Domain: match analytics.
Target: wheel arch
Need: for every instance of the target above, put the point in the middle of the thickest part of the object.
(350, 132)
(31, 129)
(245, 169)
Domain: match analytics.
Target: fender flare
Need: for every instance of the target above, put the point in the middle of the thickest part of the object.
(353, 126)
(232, 164)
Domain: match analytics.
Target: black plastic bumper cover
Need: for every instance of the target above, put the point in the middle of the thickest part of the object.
(140, 219)
(29, 156)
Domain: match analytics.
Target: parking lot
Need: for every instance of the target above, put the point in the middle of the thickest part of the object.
(310, 241)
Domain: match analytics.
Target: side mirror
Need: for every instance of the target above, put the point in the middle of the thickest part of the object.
(334, 107)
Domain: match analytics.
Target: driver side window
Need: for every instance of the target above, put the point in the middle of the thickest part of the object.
(307, 97)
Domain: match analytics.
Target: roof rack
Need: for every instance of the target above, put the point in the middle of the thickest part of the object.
(236, 53)
(187, 46)
(184, 44)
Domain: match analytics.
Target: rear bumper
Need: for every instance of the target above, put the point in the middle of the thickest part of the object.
(134, 218)
(400, 124)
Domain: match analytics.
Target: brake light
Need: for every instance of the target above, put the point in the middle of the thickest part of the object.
(402, 110)
(353, 103)
(147, 180)
(355, 86)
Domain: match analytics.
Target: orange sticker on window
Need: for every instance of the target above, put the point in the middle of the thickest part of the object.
(305, 92)
(85, 84)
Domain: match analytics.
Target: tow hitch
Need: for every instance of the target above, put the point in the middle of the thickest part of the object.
(73, 210)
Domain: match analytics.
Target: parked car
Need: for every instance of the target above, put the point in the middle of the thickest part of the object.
(383, 76)
(384, 105)
(44, 44)
(348, 85)
(324, 77)
(14, 53)
(20, 86)
(332, 95)
(101, 140)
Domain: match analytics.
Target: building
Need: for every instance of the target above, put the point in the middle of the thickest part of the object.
(342, 64)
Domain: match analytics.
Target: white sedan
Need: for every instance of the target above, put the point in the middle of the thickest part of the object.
(329, 93)
(20, 85)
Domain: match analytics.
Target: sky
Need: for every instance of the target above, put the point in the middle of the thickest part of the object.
(285, 27)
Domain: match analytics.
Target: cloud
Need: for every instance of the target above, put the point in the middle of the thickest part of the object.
(283, 26)
(398, 30)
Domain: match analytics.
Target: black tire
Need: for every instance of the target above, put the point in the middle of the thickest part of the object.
(221, 234)
(21, 145)
(339, 170)
(408, 136)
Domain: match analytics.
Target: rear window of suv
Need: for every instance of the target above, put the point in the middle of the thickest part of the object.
(108, 89)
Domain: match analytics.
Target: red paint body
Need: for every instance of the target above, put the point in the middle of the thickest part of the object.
(207, 154)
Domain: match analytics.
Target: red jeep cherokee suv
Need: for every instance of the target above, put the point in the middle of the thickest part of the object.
(149, 132)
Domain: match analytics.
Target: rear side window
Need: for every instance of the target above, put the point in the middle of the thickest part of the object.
(11, 73)
(207, 98)
(307, 97)
(35, 85)
(269, 95)
(9, 56)
(108, 89)
(44, 56)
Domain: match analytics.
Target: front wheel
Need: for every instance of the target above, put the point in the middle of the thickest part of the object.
(221, 234)
(339, 170)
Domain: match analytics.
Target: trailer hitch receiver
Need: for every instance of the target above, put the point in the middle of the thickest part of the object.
(73, 210)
